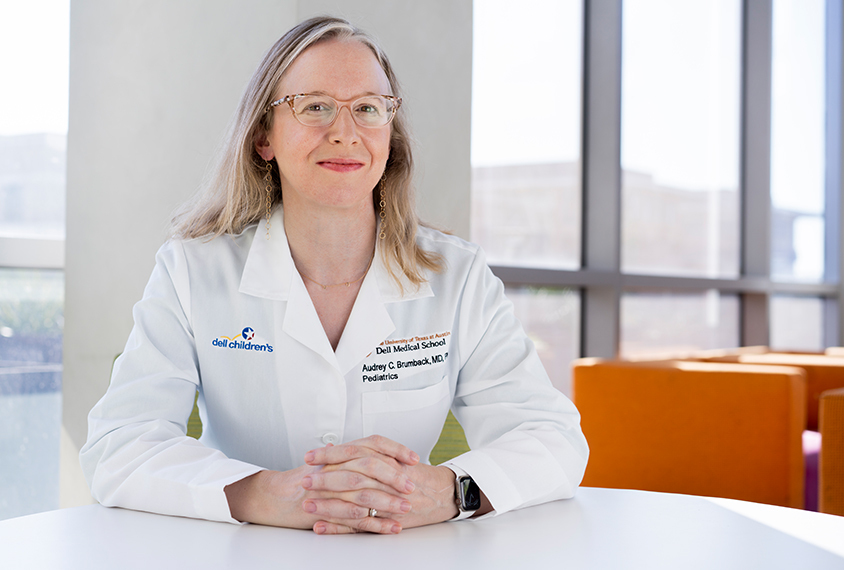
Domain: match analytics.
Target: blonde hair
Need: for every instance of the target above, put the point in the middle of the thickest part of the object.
(235, 194)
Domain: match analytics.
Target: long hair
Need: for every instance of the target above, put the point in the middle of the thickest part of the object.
(234, 195)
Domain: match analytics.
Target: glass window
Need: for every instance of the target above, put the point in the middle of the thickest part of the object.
(526, 124)
(797, 323)
(31, 320)
(551, 318)
(797, 140)
(680, 137)
(656, 324)
(34, 46)
(34, 40)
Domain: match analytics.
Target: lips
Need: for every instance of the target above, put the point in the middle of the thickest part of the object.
(341, 164)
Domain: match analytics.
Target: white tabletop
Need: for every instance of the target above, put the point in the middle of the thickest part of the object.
(599, 528)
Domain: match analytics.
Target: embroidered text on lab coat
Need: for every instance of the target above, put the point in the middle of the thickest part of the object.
(395, 359)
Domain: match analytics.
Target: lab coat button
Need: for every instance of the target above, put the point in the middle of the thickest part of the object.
(331, 438)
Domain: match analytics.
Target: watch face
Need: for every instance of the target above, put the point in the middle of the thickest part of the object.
(470, 494)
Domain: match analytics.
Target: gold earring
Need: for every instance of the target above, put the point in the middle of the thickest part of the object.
(268, 178)
(383, 213)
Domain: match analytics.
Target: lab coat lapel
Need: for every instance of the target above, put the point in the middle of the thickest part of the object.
(302, 323)
(269, 273)
(369, 323)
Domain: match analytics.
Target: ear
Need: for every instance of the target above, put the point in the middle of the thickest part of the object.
(263, 148)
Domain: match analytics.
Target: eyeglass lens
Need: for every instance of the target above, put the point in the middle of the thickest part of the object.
(319, 110)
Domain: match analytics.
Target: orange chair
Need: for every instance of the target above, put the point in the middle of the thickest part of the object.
(822, 373)
(699, 428)
(831, 462)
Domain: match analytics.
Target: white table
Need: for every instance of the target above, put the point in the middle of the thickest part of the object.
(599, 528)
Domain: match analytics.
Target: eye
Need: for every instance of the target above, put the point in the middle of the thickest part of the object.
(367, 109)
(314, 106)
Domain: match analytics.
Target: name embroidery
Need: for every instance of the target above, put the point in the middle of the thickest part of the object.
(393, 357)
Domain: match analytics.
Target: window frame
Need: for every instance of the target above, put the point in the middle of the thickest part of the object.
(600, 279)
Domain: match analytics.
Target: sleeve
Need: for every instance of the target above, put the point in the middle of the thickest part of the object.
(138, 455)
(526, 443)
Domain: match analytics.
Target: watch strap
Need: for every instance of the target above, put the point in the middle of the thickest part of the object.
(458, 473)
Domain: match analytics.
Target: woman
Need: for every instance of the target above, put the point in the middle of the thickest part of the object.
(355, 331)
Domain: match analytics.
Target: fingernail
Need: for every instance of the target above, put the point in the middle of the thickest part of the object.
(414, 456)
(396, 529)
(309, 507)
(307, 482)
(405, 506)
(309, 456)
(319, 528)
(409, 486)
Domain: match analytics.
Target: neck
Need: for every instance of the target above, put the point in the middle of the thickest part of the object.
(332, 246)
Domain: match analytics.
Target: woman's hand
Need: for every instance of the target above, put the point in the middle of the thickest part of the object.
(430, 494)
(334, 491)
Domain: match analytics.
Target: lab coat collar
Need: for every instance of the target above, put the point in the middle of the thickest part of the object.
(270, 273)
(269, 268)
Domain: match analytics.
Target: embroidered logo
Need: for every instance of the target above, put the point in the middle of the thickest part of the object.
(242, 341)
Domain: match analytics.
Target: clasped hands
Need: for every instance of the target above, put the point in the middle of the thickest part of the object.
(338, 485)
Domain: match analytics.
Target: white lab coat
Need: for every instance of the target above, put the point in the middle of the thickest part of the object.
(232, 318)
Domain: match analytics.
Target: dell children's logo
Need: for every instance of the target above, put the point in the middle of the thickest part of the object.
(242, 341)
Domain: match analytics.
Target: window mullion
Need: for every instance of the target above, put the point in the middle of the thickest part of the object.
(756, 166)
(601, 174)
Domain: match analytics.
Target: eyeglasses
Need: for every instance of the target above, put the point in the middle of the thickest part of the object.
(322, 110)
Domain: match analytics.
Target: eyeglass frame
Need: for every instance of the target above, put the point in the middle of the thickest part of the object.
(289, 99)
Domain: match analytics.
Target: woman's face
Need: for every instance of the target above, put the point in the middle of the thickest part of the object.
(335, 166)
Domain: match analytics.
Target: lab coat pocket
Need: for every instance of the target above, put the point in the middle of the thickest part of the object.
(411, 417)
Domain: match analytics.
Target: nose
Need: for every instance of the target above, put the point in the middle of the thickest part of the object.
(344, 129)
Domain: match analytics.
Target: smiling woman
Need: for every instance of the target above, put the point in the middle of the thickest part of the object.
(307, 238)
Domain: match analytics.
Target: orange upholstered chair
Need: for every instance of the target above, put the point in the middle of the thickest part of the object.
(822, 373)
(699, 428)
(831, 463)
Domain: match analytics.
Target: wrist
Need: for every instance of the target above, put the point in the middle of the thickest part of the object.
(241, 496)
(446, 494)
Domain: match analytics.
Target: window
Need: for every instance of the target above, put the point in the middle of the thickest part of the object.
(703, 121)
(798, 140)
(34, 40)
(680, 137)
(655, 324)
(526, 132)
(797, 323)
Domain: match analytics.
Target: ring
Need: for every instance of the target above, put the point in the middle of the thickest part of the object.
(372, 512)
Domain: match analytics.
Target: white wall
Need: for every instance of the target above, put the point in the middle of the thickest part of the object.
(152, 87)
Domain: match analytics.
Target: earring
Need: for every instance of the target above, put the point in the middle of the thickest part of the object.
(383, 214)
(268, 178)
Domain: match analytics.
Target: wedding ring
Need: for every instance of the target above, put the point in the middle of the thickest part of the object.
(372, 512)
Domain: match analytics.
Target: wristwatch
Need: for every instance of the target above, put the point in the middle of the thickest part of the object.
(467, 494)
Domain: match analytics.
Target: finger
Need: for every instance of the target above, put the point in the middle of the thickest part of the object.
(356, 505)
(366, 473)
(323, 527)
(362, 448)
(376, 525)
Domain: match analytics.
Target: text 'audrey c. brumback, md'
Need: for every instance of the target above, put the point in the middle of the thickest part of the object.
(397, 357)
